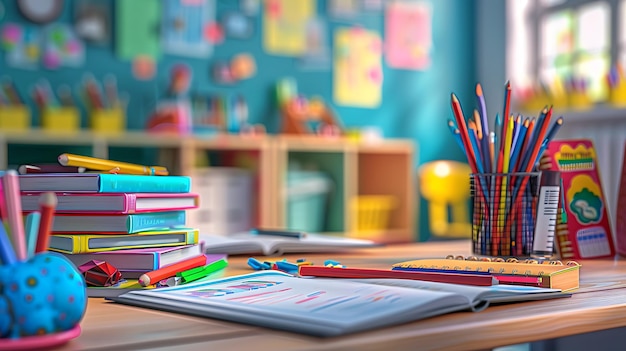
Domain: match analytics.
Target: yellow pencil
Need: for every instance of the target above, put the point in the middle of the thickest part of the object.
(479, 128)
(99, 164)
(508, 139)
(506, 157)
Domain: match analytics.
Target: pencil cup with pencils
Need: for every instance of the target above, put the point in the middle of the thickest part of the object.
(503, 213)
(60, 119)
(14, 117)
(108, 120)
(40, 298)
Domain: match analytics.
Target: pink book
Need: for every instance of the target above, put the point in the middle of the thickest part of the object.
(115, 202)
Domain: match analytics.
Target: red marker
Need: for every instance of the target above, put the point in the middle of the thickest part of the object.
(155, 276)
(47, 204)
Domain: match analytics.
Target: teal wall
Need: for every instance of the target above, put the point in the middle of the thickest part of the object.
(415, 104)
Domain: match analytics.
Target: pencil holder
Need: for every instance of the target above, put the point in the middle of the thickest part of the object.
(14, 117)
(42, 301)
(110, 120)
(580, 101)
(617, 95)
(503, 213)
(61, 119)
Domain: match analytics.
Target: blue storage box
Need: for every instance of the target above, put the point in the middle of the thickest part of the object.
(307, 200)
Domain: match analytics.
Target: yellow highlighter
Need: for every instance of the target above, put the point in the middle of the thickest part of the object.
(99, 164)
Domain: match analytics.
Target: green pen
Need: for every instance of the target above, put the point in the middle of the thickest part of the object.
(201, 272)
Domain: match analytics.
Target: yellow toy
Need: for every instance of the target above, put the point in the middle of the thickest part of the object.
(298, 112)
(446, 185)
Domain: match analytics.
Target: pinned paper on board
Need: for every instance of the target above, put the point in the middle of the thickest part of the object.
(184, 27)
(62, 47)
(408, 35)
(250, 7)
(143, 67)
(284, 26)
(237, 25)
(357, 64)
(92, 21)
(137, 35)
(343, 8)
(317, 54)
(22, 45)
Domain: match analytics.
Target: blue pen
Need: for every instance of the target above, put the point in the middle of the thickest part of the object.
(31, 229)
(7, 254)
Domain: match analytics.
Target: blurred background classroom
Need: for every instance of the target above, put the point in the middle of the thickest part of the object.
(317, 115)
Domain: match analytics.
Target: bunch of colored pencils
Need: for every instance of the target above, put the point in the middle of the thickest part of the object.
(501, 161)
(24, 236)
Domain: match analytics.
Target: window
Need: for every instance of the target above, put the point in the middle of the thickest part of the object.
(569, 43)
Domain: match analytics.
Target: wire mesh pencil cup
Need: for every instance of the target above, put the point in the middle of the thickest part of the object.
(504, 211)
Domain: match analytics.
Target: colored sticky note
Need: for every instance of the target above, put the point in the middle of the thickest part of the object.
(137, 28)
(285, 26)
(358, 71)
(408, 33)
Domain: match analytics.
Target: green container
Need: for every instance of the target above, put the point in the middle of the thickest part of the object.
(307, 200)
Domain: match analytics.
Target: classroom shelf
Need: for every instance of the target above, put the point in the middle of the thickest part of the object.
(357, 168)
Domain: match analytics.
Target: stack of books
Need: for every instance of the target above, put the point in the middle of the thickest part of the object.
(134, 222)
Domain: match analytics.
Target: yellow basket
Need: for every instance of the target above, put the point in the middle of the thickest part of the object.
(371, 212)
(14, 117)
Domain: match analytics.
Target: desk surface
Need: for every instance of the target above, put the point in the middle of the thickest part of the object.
(599, 304)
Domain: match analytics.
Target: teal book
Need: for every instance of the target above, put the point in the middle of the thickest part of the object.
(118, 223)
(104, 183)
(86, 242)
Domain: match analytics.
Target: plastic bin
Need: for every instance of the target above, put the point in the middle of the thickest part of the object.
(371, 212)
(307, 200)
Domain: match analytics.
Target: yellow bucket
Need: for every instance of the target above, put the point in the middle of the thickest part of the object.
(371, 212)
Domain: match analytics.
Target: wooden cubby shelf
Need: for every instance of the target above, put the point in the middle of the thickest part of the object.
(381, 168)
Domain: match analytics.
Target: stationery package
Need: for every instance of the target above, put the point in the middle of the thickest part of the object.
(585, 231)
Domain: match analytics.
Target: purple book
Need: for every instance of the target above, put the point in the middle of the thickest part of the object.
(143, 260)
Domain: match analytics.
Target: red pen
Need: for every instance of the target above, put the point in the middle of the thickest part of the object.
(359, 273)
(47, 203)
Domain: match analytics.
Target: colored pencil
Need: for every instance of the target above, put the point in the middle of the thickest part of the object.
(47, 206)
(456, 134)
(7, 253)
(30, 228)
(358, 273)
(460, 121)
(519, 145)
(11, 188)
(484, 123)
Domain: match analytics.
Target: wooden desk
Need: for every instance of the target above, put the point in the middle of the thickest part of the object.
(599, 304)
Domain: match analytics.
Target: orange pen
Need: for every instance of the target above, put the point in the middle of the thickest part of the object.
(155, 276)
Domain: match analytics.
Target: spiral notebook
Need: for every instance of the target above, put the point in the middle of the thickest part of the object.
(326, 307)
(547, 274)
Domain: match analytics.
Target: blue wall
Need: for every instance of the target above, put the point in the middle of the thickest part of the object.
(415, 104)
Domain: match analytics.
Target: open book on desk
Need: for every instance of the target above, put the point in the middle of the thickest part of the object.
(325, 307)
(271, 245)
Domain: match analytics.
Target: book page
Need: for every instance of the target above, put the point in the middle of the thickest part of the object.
(274, 245)
(479, 296)
(279, 300)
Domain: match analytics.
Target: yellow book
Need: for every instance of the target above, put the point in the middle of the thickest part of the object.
(84, 243)
(548, 274)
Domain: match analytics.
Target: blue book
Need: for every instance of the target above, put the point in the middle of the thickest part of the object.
(117, 223)
(104, 183)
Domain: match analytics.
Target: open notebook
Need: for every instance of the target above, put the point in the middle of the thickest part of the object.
(269, 245)
(325, 307)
